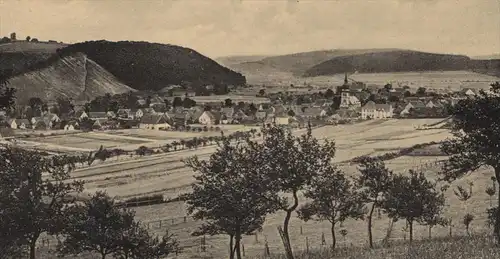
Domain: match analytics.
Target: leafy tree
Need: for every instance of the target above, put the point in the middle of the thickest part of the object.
(475, 127)
(36, 104)
(292, 163)
(7, 94)
(13, 36)
(32, 204)
(188, 103)
(99, 225)
(177, 102)
(333, 199)
(161, 247)
(329, 93)
(413, 198)
(143, 150)
(228, 103)
(262, 92)
(231, 193)
(34, 40)
(65, 106)
(374, 182)
(28, 38)
(468, 218)
(421, 91)
(393, 98)
(491, 192)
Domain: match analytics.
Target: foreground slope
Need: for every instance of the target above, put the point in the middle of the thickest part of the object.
(74, 76)
(152, 66)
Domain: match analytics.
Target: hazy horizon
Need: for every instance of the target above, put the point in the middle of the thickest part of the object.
(243, 27)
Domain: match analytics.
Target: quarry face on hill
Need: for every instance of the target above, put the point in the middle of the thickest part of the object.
(152, 66)
(74, 76)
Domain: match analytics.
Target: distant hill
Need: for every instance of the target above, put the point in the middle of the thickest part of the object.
(152, 66)
(492, 56)
(233, 60)
(122, 66)
(296, 63)
(389, 61)
(74, 76)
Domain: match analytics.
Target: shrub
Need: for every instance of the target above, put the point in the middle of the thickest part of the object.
(143, 200)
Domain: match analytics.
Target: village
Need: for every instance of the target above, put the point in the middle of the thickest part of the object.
(351, 102)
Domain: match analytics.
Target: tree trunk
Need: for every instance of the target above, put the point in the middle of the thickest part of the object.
(334, 239)
(411, 230)
(497, 220)
(370, 216)
(238, 246)
(33, 240)
(231, 250)
(289, 211)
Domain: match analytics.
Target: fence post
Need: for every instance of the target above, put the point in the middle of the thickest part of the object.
(266, 249)
(307, 245)
(160, 223)
(256, 238)
(202, 241)
(323, 241)
(184, 219)
(301, 230)
(243, 248)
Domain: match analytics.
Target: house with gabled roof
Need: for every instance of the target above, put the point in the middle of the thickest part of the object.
(111, 114)
(23, 124)
(80, 115)
(125, 113)
(313, 112)
(208, 118)
(98, 115)
(155, 122)
(227, 115)
(372, 110)
(12, 123)
(412, 105)
(260, 115)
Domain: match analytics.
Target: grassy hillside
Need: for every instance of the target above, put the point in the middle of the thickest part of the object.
(18, 56)
(152, 66)
(392, 61)
(73, 76)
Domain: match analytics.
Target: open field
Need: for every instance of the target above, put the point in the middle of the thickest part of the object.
(166, 174)
(435, 80)
(126, 139)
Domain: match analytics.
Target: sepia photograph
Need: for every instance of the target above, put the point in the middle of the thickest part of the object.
(249, 129)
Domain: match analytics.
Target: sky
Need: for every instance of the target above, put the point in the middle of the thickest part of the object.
(258, 27)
